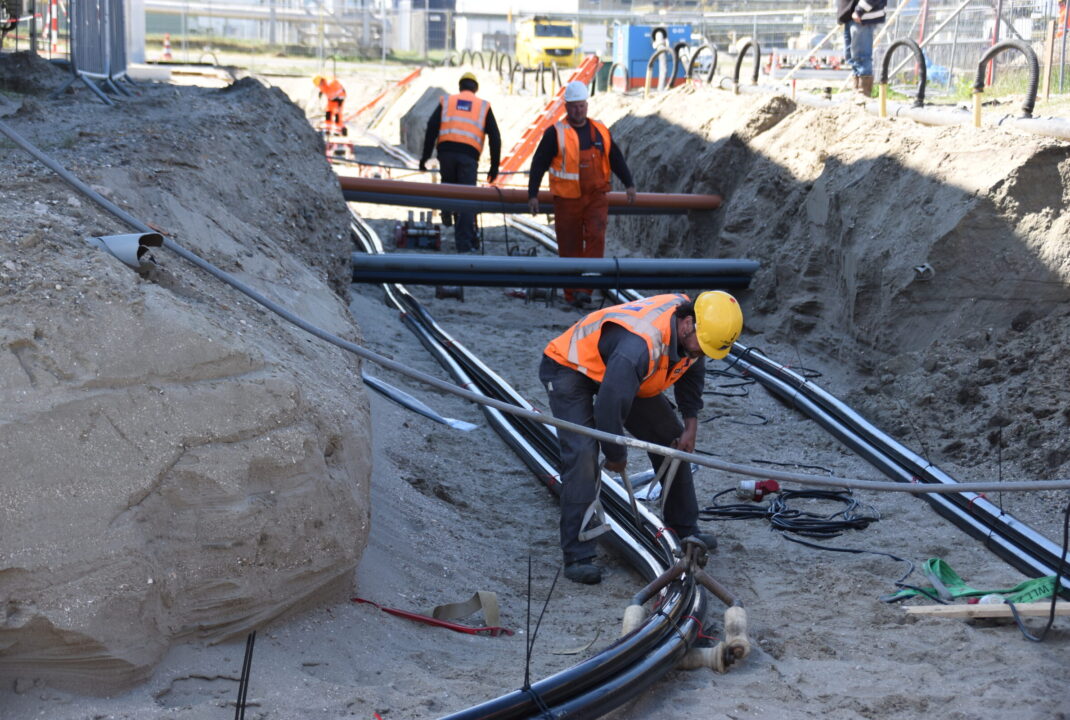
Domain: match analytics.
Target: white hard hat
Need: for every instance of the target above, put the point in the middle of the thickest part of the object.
(575, 91)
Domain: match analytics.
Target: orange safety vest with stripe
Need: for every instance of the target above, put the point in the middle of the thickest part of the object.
(463, 119)
(565, 169)
(332, 89)
(650, 319)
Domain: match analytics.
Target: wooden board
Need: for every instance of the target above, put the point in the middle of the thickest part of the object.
(1033, 609)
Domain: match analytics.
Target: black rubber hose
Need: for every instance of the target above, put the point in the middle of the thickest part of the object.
(1034, 71)
(482, 60)
(694, 61)
(757, 61)
(919, 99)
(650, 66)
(676, 62)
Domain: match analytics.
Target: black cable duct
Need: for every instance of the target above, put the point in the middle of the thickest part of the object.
(585, 688)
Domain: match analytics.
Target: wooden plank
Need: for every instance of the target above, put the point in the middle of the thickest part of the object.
(1033, 609)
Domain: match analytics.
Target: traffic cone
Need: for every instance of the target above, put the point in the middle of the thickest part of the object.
(166, 46)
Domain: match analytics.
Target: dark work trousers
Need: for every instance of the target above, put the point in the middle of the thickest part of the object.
(652, 419)
(460, 170)
(580, 223)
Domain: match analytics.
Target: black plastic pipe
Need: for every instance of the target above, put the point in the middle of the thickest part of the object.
(757, 62)
(1034, 71)
(919, 57)
(619, 268)
(694, 61)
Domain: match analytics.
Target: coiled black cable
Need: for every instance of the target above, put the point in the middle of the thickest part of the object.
(853, 516)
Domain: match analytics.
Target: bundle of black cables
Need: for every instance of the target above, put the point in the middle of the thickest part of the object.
(853, 516)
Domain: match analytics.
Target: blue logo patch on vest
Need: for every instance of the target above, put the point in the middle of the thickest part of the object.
(464, 105)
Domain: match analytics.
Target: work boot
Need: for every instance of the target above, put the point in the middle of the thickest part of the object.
(584, 571)
(865, 86)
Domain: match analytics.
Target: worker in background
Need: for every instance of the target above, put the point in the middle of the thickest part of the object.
(331, 89)
(579, 152)
(609, 371)
(860, 18)
(456, 130)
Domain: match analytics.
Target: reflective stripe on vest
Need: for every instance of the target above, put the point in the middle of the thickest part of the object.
(463, 118)
(650, 318)
(565, 168)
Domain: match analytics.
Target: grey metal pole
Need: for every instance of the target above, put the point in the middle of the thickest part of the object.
(954, 50)
(33, 27)
(995, 39)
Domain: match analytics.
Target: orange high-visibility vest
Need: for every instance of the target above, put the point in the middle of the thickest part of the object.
(565, 169)
(463, 119)
(650, 319)
(332, 89)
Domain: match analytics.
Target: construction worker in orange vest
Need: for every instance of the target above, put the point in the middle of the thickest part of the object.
(456, 130)
(609, 372)
(579, 152)
(331, 89)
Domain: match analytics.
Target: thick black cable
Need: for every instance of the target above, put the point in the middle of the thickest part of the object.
(243, 683)
(1039, 637)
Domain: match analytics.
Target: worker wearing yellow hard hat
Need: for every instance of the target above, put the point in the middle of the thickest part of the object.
(330, 88)
(609, 371)
(456, 131)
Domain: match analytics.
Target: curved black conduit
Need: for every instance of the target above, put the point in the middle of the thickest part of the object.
(1034, 76)
(694, 61)
(739, 63)
(919, 99)
(482, 60)
(595, 686)
(677, 63)
(650, 70)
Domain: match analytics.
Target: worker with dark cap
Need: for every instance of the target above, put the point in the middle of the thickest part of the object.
(609, 371)
(458, 126)
(331, 89)
(580, 154)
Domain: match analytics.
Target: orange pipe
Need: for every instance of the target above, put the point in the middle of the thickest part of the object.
(681, 201)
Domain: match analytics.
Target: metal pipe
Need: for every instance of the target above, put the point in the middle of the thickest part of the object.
(682, 201)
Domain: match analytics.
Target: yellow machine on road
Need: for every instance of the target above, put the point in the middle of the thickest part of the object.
(542, 41)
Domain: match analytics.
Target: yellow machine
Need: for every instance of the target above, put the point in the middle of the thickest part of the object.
(542, 41)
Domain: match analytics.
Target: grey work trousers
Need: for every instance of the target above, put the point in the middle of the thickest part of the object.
(461, 169)
(651, 419)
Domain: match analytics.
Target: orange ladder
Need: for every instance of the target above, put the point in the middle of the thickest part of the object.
(554, 111)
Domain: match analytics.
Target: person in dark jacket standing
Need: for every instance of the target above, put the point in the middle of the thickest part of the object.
(458, 127)
(609, 371)
(580, 153)
(860, 18)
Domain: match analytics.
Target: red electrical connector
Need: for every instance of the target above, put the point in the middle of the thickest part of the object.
(755, 490)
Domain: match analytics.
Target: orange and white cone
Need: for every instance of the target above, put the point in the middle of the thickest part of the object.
(166, 47)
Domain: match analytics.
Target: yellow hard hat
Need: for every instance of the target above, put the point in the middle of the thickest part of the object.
(469, 76)
(317, 79)
(718, 322)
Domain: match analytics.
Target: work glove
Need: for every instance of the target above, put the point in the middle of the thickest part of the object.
(423, 166)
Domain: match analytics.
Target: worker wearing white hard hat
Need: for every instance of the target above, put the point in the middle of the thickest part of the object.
(580, 155)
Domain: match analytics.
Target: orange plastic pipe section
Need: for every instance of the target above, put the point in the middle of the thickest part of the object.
(679, 201)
